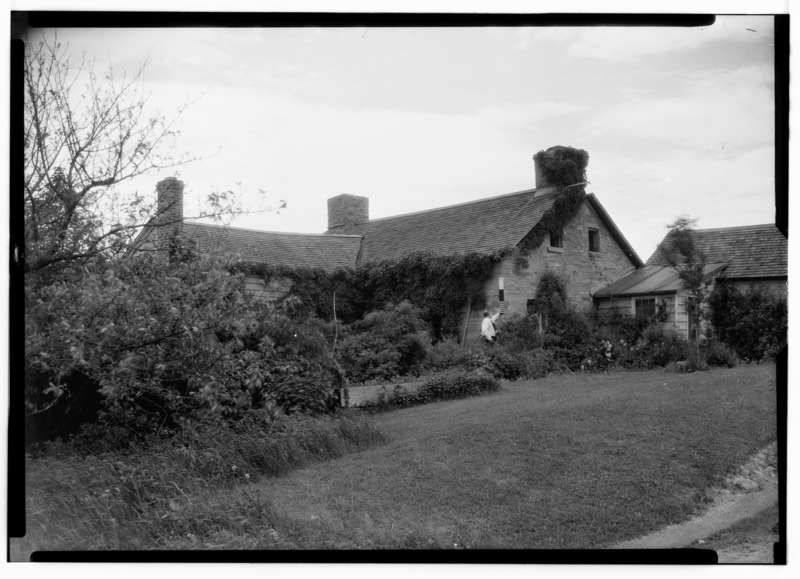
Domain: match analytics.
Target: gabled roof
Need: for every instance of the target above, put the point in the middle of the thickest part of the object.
(484, 226)
(328, 252)
(753, 251)
(649, 280)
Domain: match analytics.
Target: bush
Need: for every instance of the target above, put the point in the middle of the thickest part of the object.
(385, 344)
(753, 323)
(656, 348)
(456, 384)
(539, 363)
(718, 354)
(447, 385)
(520, 333)
(507, 366)
(450, 354)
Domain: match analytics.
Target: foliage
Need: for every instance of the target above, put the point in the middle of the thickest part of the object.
(520, 333)
(656, 348)
(128, 500)
(753, 323)
(507, 366)
(565, 168)
(312, 291)
(83, 135)
(447, 385)
(717, 353)
(161, 341)
(440, 285)
(539, 363)
(385, 344)
(562, 166)
(564, 209)
(679, 249)
(450, 354)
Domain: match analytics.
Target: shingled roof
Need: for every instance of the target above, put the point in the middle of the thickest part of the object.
(328, 252)
(649, 280)
(753, 251)
(484, 226)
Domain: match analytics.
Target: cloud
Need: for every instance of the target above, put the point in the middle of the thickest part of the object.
(625, 44)
(711, 110)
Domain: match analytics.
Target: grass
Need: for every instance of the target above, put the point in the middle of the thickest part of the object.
(148, 497)
(753, 531)
(568, 462)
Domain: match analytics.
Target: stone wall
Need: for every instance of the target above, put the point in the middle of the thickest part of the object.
(582, 270)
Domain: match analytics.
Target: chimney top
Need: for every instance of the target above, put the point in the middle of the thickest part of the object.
(345, 210)
(560, 166)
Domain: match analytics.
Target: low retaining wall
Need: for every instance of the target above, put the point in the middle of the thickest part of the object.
(354, 396)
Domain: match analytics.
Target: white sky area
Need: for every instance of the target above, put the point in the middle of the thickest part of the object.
(677, 121)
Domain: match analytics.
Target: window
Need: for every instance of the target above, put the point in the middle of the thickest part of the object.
(530, 307)
(645, 308)
(594, 240)
(556, 239)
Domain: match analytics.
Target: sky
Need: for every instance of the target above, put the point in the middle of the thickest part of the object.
(676, 121)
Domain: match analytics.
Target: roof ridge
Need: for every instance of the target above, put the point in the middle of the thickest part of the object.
(215, 226)
(464, 204)
(736, 227)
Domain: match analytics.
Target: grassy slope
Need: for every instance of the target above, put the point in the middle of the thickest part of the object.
(568, 462)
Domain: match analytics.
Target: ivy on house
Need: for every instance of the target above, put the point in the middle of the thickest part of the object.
(440, 285)
(565, 168)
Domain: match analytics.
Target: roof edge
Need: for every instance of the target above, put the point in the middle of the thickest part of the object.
(465, 203)
(215, 226)
(627, 248)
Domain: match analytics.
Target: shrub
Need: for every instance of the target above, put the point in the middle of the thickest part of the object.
(753, 323)
(539, 363)
(656, 348)
(446, 385)
(718, 354)
(450, 354)
(520, 333)
(507, 366)
(385, 344)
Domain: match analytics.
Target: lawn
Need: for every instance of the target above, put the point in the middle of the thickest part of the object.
(572, 461)
(569, 462)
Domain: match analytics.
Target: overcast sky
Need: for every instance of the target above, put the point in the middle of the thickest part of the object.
(676, 121)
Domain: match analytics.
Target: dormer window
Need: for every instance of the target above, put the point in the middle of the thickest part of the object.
(594, 240)
(556, 239)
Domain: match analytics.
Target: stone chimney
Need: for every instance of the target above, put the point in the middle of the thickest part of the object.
(345, 210)
(570, 163)
(170, 210)
(541, 181)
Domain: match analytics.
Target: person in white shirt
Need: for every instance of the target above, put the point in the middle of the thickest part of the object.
(488, 331)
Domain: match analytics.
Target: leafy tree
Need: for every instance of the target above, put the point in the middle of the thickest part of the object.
(679, 249)
(84, 134)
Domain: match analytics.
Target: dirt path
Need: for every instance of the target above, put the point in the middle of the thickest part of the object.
(749, 491)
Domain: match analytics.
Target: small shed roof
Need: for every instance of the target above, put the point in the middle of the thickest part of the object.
(753, 251)
(328, 252)
(650, 279)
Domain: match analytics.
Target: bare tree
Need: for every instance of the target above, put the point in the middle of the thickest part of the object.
(84, 135)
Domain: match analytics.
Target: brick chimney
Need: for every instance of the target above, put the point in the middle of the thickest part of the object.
(345, 210)
(170, 210)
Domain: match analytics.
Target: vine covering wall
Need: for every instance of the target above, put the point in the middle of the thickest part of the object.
(440, 285)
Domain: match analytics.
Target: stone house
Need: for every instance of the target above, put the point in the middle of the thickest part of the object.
(589, 252)
(749, 257)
